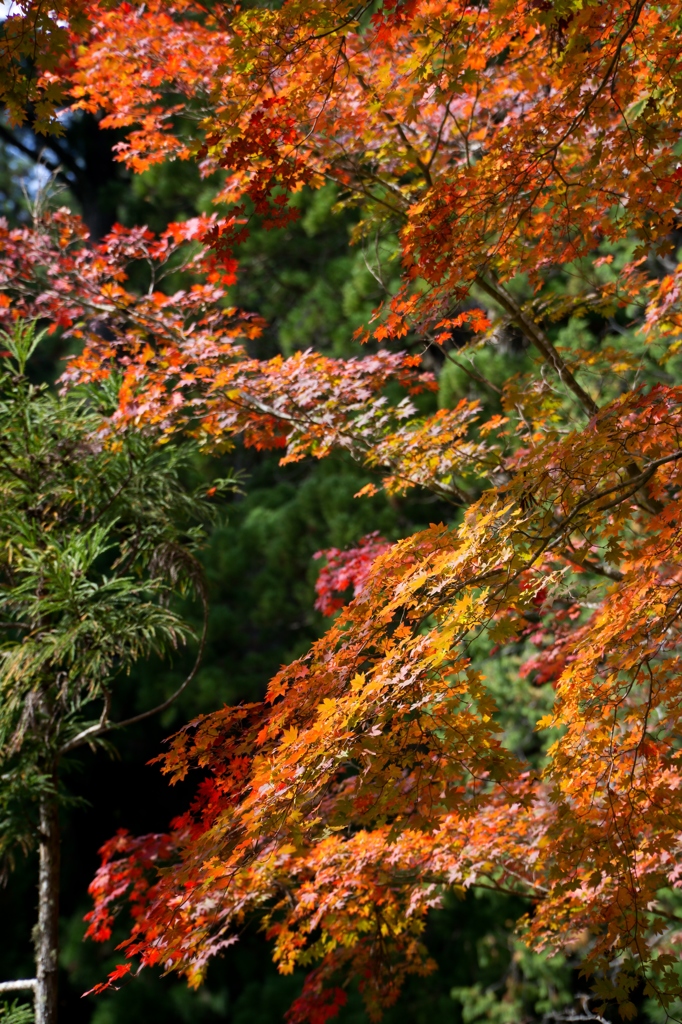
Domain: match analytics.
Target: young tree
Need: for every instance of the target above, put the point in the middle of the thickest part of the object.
(99, 534)
(514, 147)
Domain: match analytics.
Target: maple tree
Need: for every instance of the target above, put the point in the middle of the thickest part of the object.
(508, 145)
(34, 41)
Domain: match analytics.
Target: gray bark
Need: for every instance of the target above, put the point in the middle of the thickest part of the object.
(47, 929)
(18, 986)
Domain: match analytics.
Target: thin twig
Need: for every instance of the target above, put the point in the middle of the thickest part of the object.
(104, 725)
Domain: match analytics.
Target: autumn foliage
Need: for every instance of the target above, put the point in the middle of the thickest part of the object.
(516, 138)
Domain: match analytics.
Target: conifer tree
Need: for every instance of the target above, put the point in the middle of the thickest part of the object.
(99, 536)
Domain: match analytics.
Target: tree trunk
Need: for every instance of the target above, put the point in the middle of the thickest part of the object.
(47, 929)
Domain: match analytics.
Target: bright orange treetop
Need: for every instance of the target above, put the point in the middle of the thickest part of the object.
(515, 138)
(505, 138)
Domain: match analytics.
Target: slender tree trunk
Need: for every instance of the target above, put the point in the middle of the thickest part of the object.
(47, 929)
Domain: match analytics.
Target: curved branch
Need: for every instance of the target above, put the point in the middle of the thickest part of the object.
(537, 337)
(104, 725)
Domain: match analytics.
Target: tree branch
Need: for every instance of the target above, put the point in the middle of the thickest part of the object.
(63, 157)
(537, 337)
(19, 986)
(11, 140)
(587, 565)
(104, 725)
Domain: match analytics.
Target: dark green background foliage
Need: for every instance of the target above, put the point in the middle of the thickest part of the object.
(314, 290)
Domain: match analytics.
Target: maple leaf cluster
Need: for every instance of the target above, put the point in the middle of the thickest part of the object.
(503, 139)
(344, 569)
(35, 52)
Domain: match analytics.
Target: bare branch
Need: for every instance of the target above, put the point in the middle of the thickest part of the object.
(537, 337)
(19, 986)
